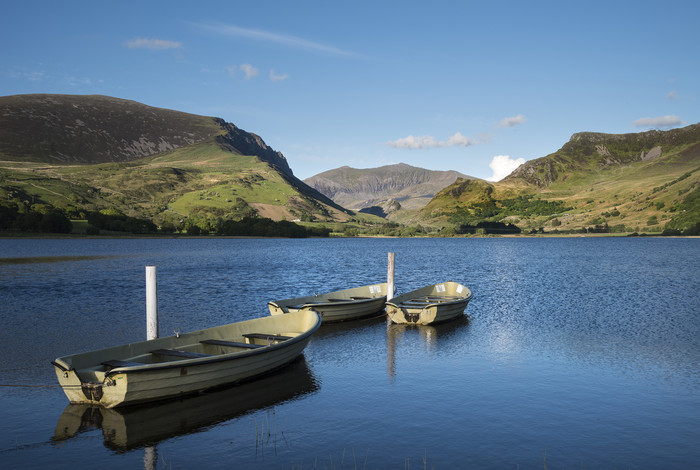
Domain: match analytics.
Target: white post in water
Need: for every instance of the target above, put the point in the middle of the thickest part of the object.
(390, 278)
(151, 303)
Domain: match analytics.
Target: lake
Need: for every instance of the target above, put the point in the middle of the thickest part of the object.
(573, 353)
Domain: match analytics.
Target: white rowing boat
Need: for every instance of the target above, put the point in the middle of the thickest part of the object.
(342, 305)
(186, 363)
(429, 305)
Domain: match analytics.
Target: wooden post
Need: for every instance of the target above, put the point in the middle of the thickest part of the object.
(151, 303)
(390, 278)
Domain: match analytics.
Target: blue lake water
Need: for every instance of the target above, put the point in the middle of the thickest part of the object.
(574, 353)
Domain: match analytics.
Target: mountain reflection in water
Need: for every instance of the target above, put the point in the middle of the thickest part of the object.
(138, 426)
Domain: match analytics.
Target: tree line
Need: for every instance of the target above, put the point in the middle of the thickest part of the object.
(42, 218)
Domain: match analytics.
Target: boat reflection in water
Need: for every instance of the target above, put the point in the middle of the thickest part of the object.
(404, 335)
(139, 426)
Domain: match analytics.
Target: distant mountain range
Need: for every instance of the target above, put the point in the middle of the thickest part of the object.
(383, 187)
(85, 154)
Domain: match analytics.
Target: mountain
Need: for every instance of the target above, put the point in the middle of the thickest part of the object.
(372, 188)
(82, 155)
(645, 181)
(91, 153)
(101, 129)
(589, 152)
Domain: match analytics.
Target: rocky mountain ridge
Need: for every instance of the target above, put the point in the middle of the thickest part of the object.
(358, 189)
(595, 151)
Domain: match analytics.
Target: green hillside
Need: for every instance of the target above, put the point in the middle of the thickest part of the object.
(199, 183)
(645, 182)
(126, 166)
(202, 180)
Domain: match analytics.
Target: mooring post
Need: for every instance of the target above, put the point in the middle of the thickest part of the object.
(151, 303)
(390, 278)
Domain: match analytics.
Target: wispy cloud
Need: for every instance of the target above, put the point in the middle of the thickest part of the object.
(502, 166)
(277, 78)
(428, 141)
(285, 40)
(153, 44)
(248, 71)
(22, 74)
(672, 95)
(511, 121)
(660, 121)
(78, 81)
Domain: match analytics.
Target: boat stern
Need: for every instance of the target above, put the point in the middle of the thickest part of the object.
(413, 316)
(79, 390)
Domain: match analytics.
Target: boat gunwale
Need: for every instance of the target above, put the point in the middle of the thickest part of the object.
(431, 304)
(403, 297)
(341, 302)
(200, 361)
(303, 301)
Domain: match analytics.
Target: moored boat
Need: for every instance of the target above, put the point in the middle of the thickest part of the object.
(185, 363)
(429, 305)
(342, 305)
(129, 427)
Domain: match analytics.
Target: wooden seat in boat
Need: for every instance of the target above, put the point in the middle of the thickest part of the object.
(176, 353)
(231, 344)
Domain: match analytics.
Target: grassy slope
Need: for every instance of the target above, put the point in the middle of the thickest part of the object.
(638, 191)
(169, 185)
(633, 190)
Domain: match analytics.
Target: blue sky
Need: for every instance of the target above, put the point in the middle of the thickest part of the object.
(469, 86)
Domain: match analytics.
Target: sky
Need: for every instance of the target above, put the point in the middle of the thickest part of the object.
(476, 87)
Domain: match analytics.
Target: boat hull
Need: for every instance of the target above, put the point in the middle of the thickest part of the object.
(429, 305)
(130, 427)
(146, 377)
(338, 306)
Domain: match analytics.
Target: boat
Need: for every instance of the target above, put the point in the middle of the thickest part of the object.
(429, 305)
(185, 363)
(342, 305)
(131, 427)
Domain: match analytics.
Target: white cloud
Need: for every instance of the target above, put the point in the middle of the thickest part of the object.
(277, 78)
(266, 36)
(153, 44)
(511, 121)
(428, 141)
(460, 141)
(502, 166)
(414, 142)
(672, 95)
(660, 121)
(248, 71)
